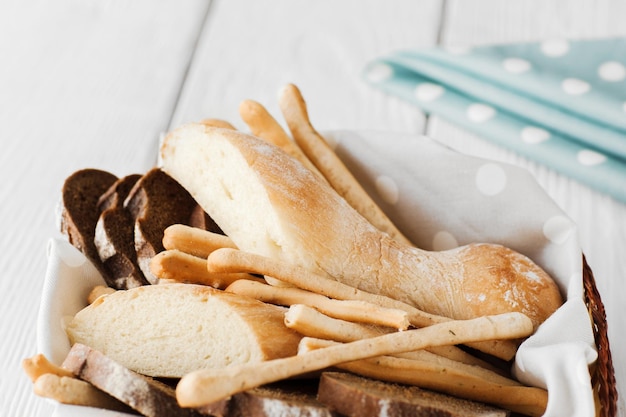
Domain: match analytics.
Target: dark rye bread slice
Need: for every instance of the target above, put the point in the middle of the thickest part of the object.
(357, 396)
(79, 211)
(156, 202)
(147, 396)
(114, 236)
(295, 398)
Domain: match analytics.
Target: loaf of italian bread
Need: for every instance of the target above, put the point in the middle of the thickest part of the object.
(268, 203)
(169, 330)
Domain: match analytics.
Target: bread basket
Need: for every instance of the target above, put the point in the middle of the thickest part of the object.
(377, 158)
(603, 377)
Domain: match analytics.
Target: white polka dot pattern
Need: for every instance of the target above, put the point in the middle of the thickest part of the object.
(588, 157)
(557, 229)
(444, 240)
(387, 189)
(480, 113)
(516, 65)
(575, 86)
(491, 179)
(428, 91)
(558, 102)
(534, 135)
(555, 47)
(612, 71)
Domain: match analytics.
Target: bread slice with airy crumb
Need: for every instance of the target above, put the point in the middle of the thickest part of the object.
(169, 330)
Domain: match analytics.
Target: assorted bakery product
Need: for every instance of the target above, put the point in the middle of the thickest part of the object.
(248, 265)
(169, 330)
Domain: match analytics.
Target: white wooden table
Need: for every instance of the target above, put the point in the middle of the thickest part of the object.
(95, 83)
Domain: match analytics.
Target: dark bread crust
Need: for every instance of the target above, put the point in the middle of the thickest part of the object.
(147, 396)
(154, 203)
(79, 212)
(353, 395)
(115, 236)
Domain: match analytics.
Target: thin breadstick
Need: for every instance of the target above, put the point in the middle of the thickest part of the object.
(457, 380)
(205, 386)
(182, 267)
(97, 291)
(194, 241)
(70, 390)
(324, 158)
(223, 124)
(230, 260)
(264, 126)
(39, 365)
(312, 323)
(351, 310)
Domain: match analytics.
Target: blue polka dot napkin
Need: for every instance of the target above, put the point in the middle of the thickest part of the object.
(561, 103)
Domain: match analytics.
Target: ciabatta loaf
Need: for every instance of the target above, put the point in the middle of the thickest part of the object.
(169, 330)
(270, 204)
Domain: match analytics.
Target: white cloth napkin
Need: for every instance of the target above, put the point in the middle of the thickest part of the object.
(440, 199)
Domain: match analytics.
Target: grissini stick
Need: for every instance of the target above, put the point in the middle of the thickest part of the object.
(206, 386)
(194, 241)
(324, 158)
(179, 266)
(453, 380)
(264, 126)
(231, 260)
(351, 310)
(314, 324)
(269, 204)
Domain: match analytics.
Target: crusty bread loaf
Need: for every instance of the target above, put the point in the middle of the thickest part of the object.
(79, 211)
(155, 202)
(357, 396)
(270, 204)
(168, 330)
(114, 236)
(149, 397)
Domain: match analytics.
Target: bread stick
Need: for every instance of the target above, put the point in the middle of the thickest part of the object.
(230, 260)
(458, 381)
(351, 310)
(264, 126)
(194, 241)
(182, 267)
(206, 386)
(39, 365)
(312, 323)
(70, 390)
(324, 158)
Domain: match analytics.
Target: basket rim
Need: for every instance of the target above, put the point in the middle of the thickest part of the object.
(603, 375)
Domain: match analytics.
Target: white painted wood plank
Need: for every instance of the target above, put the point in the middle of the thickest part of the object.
(601, 220)
(82, 84)
(251, 49)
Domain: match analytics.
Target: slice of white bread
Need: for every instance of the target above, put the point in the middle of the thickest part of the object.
(353, 395)
(169, 330)
(268, 203)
